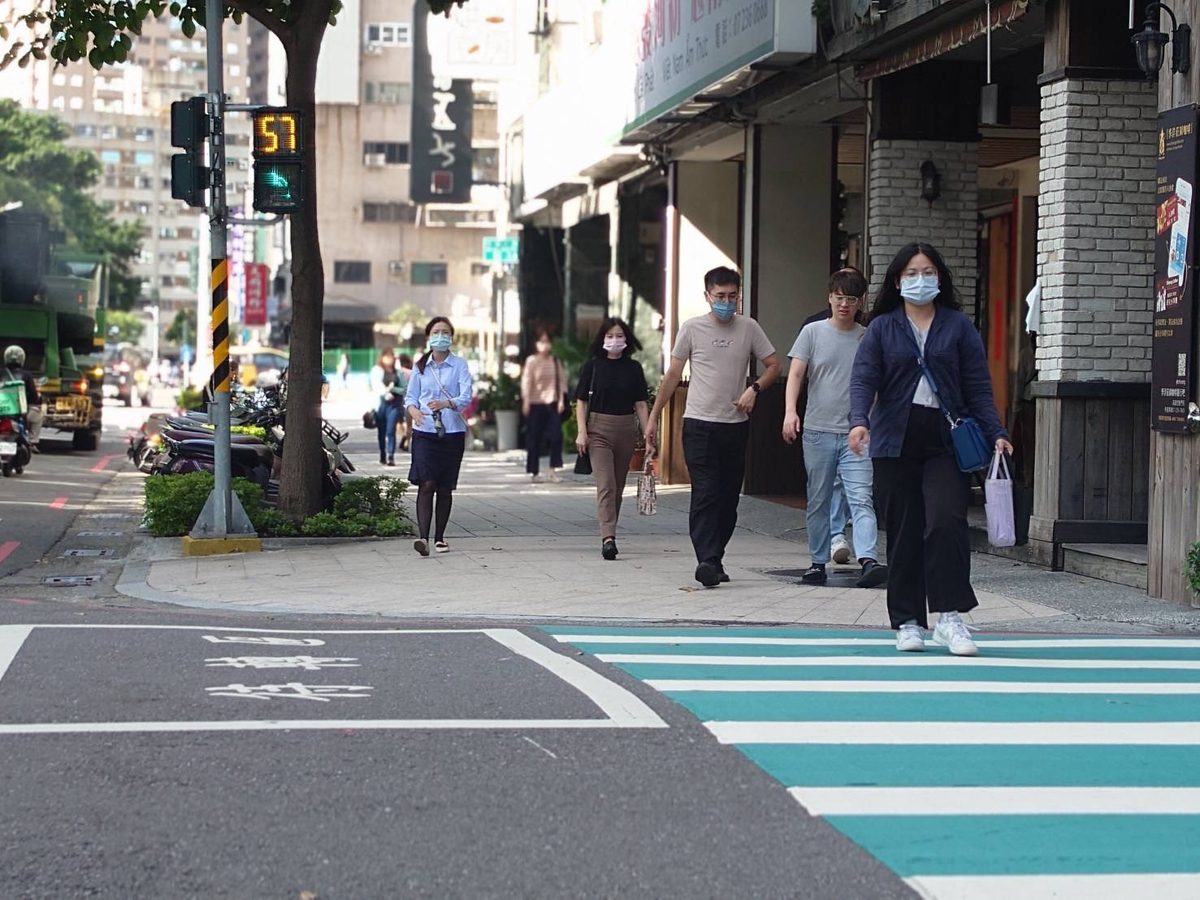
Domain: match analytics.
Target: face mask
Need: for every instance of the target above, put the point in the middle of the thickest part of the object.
(614, 344)
(724, 311)
(920, 289)
(440, 342)
(543, 346)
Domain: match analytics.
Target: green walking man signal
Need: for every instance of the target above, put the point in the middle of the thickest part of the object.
(189, 130)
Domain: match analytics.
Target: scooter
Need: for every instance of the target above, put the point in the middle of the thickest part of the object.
(15, 452)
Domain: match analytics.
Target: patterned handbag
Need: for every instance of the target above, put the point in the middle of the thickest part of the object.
(647, 496)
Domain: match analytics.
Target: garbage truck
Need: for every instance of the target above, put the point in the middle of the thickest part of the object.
(49, 305)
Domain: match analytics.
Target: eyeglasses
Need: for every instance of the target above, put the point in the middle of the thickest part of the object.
(912, 273)
(843, 300)
(725, 298)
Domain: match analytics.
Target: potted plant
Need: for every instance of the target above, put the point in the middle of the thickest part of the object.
(503, 400)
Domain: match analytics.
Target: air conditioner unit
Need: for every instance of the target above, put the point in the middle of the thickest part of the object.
(373, 50)
(395, 267)
(374, 160)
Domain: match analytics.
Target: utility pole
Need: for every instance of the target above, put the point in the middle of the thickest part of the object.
(223, 514)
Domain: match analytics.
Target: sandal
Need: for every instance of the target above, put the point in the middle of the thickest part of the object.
(441, 546)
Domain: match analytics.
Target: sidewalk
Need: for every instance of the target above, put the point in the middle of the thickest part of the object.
(525, 550)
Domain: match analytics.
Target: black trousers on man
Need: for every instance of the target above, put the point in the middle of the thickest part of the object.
(544, 424)
(922, 497)
(715, 453)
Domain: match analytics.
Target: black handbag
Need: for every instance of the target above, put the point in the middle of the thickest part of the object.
(369, 421)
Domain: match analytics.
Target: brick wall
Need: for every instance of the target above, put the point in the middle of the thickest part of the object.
(1096, 230)
(898, 216)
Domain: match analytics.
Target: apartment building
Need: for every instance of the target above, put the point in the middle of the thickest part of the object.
(122, 114)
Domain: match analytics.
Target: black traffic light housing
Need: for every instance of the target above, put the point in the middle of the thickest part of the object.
(278, 159)
(189, 130)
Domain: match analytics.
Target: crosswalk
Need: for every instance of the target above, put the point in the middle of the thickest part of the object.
(1046, 767)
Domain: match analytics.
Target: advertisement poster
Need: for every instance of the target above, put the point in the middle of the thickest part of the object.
(1174, 272)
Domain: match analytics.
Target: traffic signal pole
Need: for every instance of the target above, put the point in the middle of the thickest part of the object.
(223, 515)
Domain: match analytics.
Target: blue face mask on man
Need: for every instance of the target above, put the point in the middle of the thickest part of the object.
(725, 310)
(920, 290)
(440, 342)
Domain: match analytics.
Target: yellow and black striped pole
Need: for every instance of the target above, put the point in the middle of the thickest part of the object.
(220, 325)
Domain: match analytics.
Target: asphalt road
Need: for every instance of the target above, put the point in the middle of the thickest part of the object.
(104, 790)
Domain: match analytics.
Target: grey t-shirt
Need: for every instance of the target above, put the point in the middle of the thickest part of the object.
(829, 353)
(719, 356)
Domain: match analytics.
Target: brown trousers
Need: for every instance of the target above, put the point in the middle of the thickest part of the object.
(611, 441)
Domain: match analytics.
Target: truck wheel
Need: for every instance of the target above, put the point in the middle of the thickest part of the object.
(85, 440)
(6, 469)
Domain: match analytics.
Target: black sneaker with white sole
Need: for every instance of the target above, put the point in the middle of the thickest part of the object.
(873, 575)
(708, 574)
(815, 574)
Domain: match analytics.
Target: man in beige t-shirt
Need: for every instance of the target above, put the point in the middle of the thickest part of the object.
(719, 347)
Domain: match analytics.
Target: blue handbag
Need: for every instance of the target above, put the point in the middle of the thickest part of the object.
(971, 450)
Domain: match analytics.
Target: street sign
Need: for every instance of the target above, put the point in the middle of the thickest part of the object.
(505, 251)
(257, 279)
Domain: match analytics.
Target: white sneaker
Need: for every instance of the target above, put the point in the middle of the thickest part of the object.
(554, 476)
(955, 636)
(909, 639)
(535, 479)
(840, 548)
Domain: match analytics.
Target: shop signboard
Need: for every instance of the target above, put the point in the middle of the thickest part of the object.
(1174, 273)
(442, 110)
(256, 279)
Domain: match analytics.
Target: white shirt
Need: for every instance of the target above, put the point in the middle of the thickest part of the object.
(924, 395)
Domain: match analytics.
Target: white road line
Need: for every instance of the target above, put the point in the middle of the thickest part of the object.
(1160, 734)
(11, 639)
(619, 704)
(1056, 887)
(907, 661)
(997, 801)
(1047, 643)
(923, 687)
(224, 629)
(307, 725)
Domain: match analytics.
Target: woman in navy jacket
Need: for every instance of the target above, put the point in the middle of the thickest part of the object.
(894, 411)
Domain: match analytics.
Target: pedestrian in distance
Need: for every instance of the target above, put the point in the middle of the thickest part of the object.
(404, 365)
(610, 403)
(896, 415)
(824, 353)
(716, 420)
(343, 369)
(438, 394)
(839, 509)
(543, 402)
(389, 393)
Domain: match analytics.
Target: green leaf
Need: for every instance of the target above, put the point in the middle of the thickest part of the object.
(189, 28)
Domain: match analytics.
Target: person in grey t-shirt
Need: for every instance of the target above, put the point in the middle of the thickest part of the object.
(824, 351)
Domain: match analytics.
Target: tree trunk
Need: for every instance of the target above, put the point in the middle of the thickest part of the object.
(300, 484)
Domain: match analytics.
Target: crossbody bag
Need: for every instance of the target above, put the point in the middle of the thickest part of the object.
(971, 450)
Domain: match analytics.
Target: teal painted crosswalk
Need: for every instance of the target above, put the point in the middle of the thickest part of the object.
(1046, 767)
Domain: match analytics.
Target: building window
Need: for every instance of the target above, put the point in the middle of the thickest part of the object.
(486, 166)
(479, 269)
(429, 273)
(384, 153)
(389, 212)
(389, 34)
(110, 157)
(388, 93)
(143, 158)
(347, 271)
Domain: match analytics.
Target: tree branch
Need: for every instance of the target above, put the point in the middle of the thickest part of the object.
(257, 10)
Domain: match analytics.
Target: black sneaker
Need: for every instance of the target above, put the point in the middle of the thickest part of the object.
(873, 575)
(383, 459)
(421, 545)
(723, 578)
(708, 574)
(815, 574)
(609, 549)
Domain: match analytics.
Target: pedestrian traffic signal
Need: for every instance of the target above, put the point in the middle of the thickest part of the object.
(189, 129)
(278, 160)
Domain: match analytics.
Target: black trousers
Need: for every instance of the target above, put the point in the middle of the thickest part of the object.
(715, 453)
(544, 423)
(923, 498)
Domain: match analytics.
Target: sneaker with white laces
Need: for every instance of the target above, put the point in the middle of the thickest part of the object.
(954, 634)
(840, 548)
(909, 639)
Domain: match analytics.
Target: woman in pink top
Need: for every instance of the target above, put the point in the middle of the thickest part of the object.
(543, 387)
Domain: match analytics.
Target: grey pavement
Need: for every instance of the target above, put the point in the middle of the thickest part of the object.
(532, 550)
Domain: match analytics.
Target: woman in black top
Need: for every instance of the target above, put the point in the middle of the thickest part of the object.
(610, 402)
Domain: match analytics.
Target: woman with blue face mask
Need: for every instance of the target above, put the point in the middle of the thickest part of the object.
(896, 416)
(438, 393)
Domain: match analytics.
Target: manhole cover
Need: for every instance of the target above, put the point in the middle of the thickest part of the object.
(836, 579)
(71, 580)
(86, 551)
(99, 533)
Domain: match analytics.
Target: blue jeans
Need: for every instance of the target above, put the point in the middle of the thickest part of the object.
(387, 416)
(826, 457)
(839, 511)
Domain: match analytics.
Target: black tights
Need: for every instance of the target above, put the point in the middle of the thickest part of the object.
(445, 499)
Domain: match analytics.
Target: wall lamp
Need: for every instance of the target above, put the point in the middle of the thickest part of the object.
(931, 182)
(1149, 43)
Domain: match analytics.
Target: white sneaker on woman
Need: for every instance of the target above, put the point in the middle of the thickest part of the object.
(909, 639)
(953, 633)
(554, 477)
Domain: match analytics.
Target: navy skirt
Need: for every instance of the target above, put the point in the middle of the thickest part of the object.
(437, 459)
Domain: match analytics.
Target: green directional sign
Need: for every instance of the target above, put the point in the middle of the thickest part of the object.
(505, 251)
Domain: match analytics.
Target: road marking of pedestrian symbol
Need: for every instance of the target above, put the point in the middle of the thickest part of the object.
(270, 641)
(308, 663)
